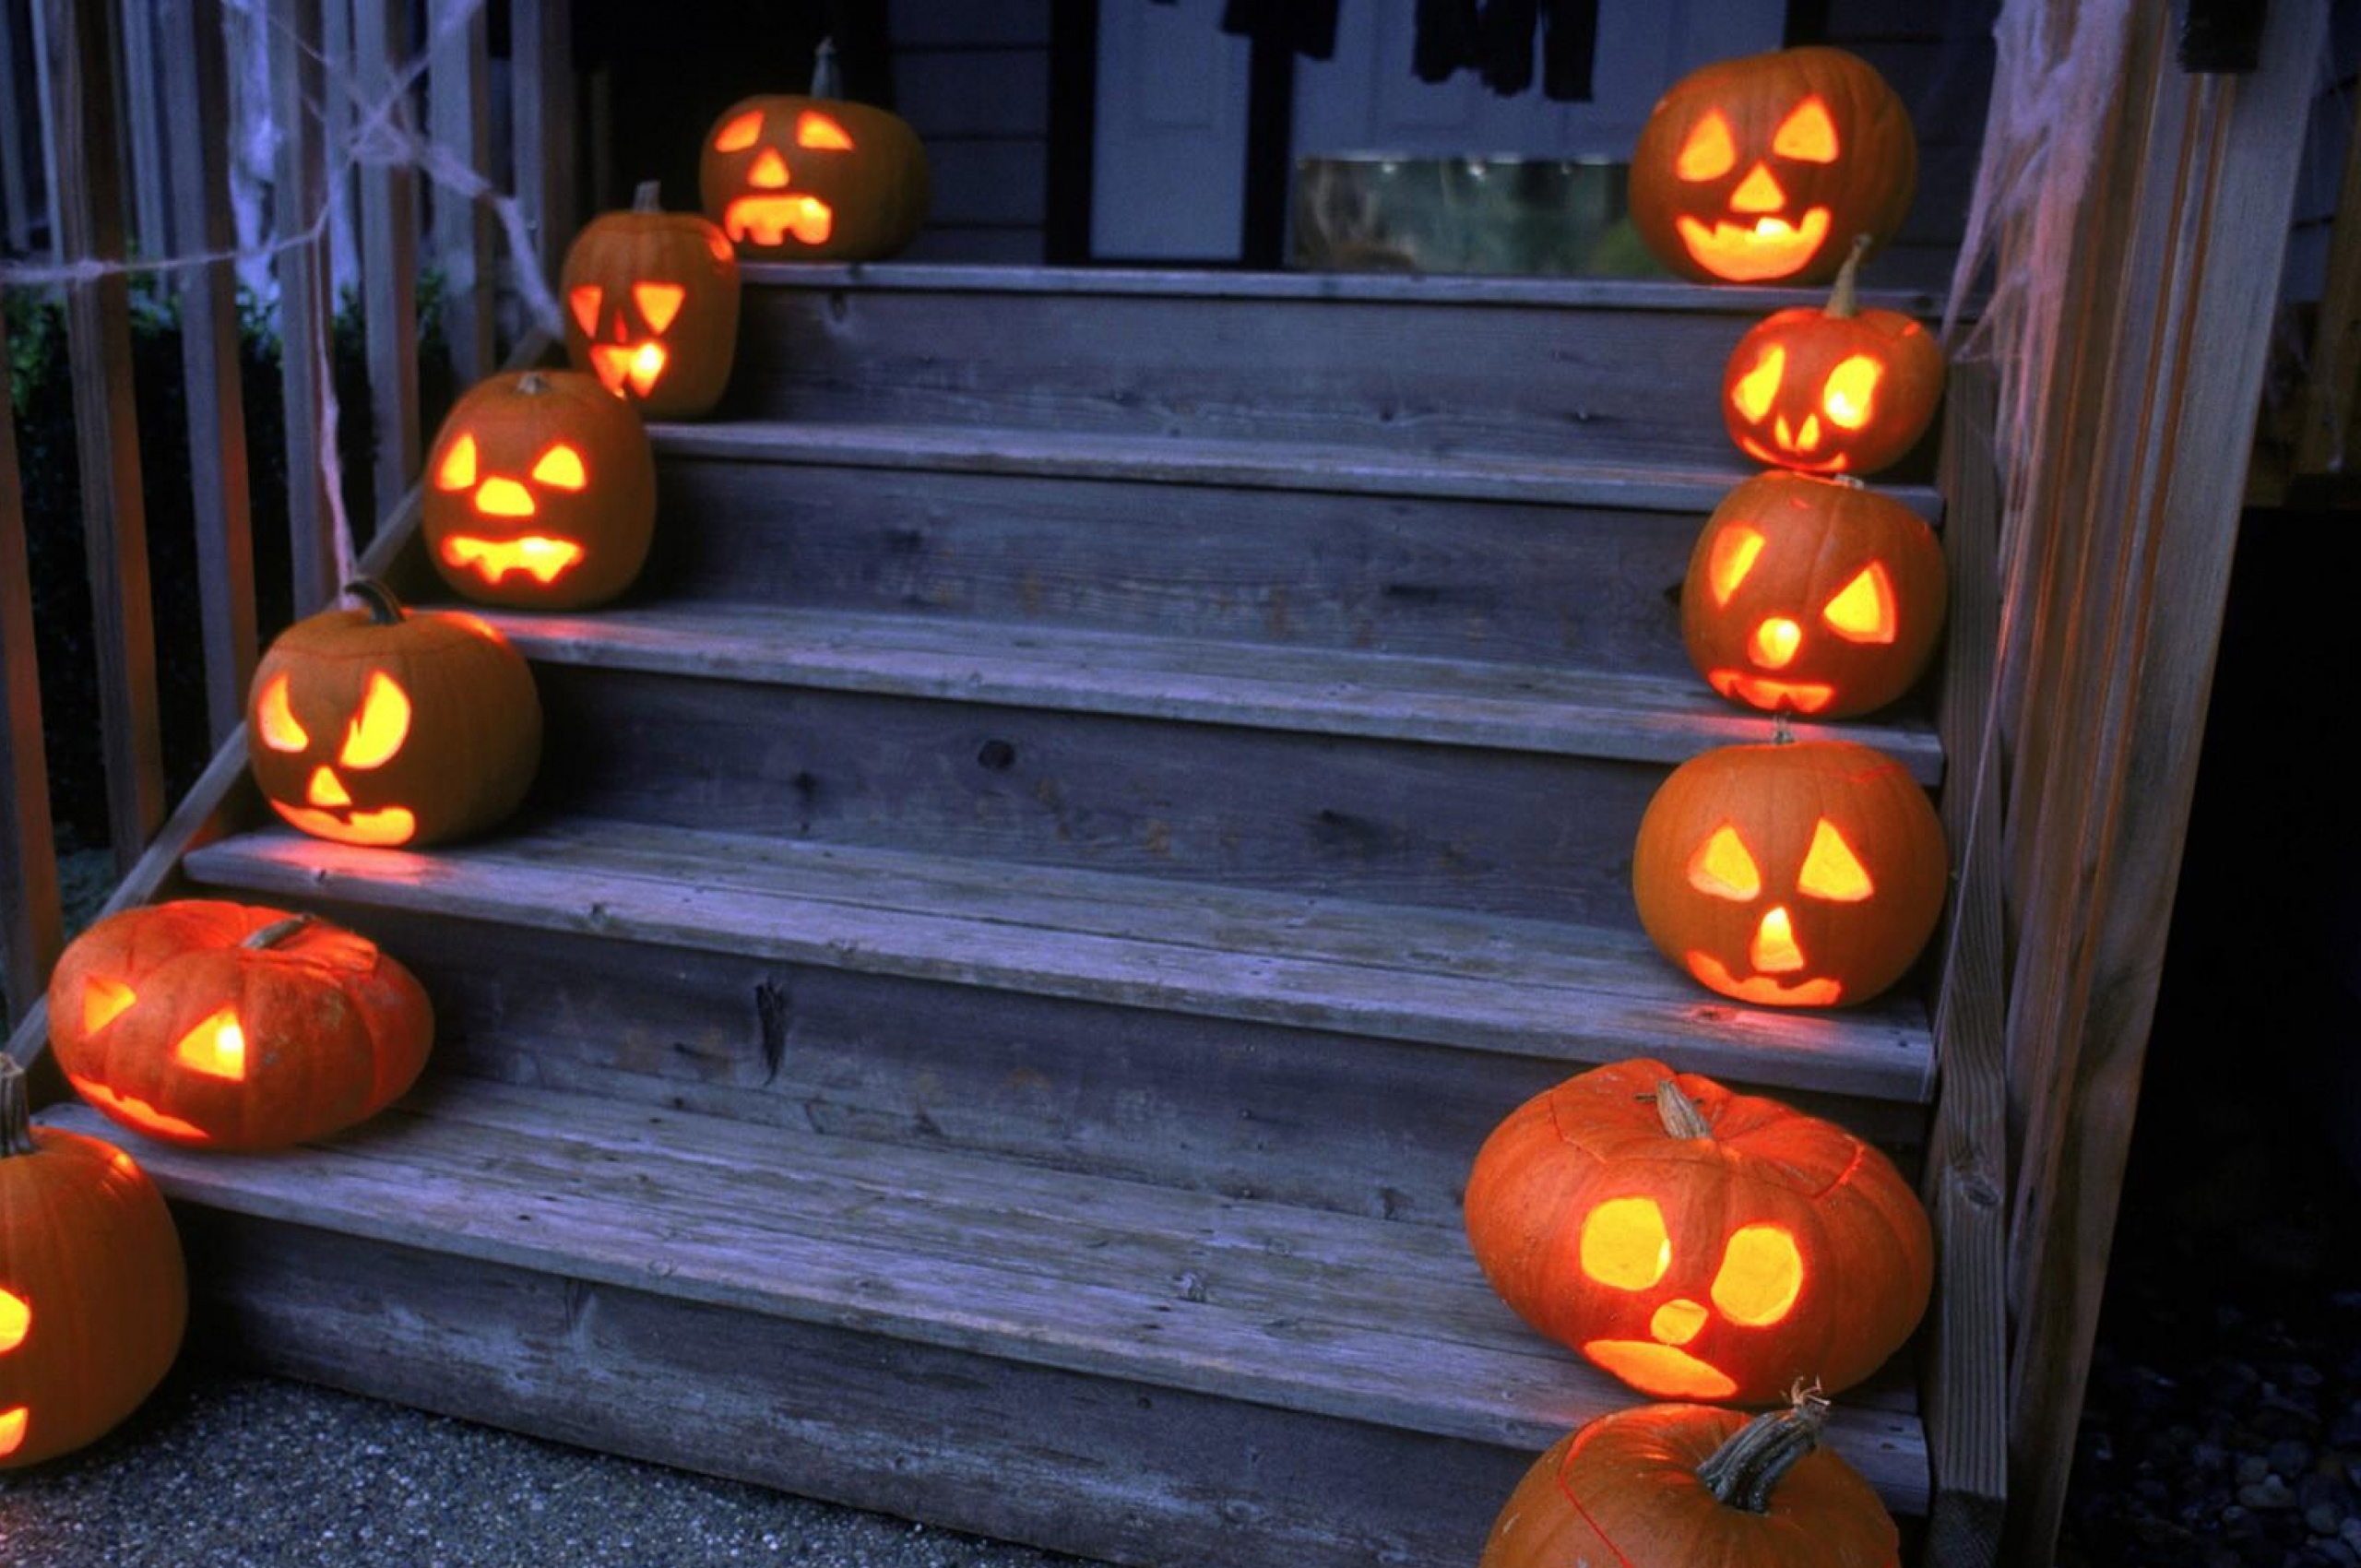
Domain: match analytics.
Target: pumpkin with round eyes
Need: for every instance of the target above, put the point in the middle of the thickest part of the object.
(1761, 170)
(1815, 595)
(1837, 391)
(93, 1293)
(1805, 874)
(227, 1025)
(651, 307)
(1698, 1244)
(392, 727)
(540, 492)
(814, 178)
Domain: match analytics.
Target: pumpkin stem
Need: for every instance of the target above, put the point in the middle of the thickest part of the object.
(1783, 730)
(1681, 1118)
(278, 931)
(1745, 1471)
(532, 384)
(385, 610)
(827, 81)
(648, 197)
(16, 1110)
(1845, 299)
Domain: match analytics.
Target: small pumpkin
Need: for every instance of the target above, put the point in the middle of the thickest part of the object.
(1676, 1486)
(540, 492)
(93, 1292)
(1698, 1244)
(1807, 874)
(1839, 390)
(651, 307)
(233, 1026)
(1815, 595)
(1762, 169)
(814, 178)
(388, 726)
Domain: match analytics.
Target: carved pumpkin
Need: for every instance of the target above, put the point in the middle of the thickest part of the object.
(814, 178)
(651, 307)
(1697, 1243)
(1676, 1486)
(1837, 391)
(1802, 874)
(540, 492)
(207, 1023)
(93, 1294)
(1811, 595)
(1762, 170)
(388, 726)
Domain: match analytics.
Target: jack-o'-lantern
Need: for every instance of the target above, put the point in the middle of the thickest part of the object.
(651, 307)
(1762, 170)
(228, 1027)
(540, 492)
(814, 178)
(1675, 1486)
(1697, 1243)
(1816, 596)
(93, 1294)
(1806, 873)
(392, 727)
(1837, 391)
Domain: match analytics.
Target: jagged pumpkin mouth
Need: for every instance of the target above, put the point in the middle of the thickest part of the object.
(1750, 252)
(769, 220)
(537, 556)
(1764, 989)
(1761, 691)
(386, 827)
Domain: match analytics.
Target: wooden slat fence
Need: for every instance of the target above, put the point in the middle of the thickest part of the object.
(90, 168)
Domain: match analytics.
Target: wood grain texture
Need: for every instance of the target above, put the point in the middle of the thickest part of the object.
(458, 107)
(306, 305)
(31, 927)
(389, 210)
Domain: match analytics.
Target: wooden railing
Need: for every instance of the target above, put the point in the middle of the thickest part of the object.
(363, 96)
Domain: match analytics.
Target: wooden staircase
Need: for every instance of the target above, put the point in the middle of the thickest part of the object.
(1111, 785)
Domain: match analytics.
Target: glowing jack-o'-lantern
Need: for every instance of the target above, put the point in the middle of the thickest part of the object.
(392, 727)
(1837, 391)
(1807, 874)
(814, 178)
(207, 1023)
(93, 1295)
(540, 492)
(1674, 1486)
(1697, 1243)
(651, 307)
(1762, 170)
(1816, 596)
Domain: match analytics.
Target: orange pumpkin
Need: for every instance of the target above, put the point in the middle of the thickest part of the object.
(1815, 595)
(93, 1294)
(1807, 874)
(814, 178)
(388, 726)
(1697, 1243)
(540, 492)
(231, 1027)
(1675, 1486)
(651, 307)
(1762, 169)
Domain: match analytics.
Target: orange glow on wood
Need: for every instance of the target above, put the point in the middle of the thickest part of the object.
(1735, 550)
(1863, 610)
(1850, 395)
(1807, 133)
(216, 1047)
(814, 130)
(1663, 1370)
(1758, 387)
(543, 559)
(1774, 950)
(16, 1320)
(275, 719)
(1761, 1277)
(1722, 868)
(1832, 871)
(103, 1001)
(1774, 643)
(1624, 1243)
(137, 1112)
(377, 731)
(741, 133)
(1710, 150)
(385, 828)
(658, 303)
(459, 467)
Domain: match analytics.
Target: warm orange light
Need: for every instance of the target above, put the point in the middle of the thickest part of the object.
(1661, 1370)
(768, 221)
(1807, 133)
(1677, 1322)
(1769, 695)
(1722, 868)
(1758, 192)
(1850, 395)
(542, 558)
(138, 1112)
(216, 1047)
(274, 718)
(1624, 1243)
(658, 302)
(16, 1320)
(325, 790)
(1735, 549)
(741, 133)
(1774, 643)
(1832, 871)
(638, 366)
(503, 497)
(13, 1422)
(1798, 442)
(586, 300)
(1774, 949)
(1761, 1277)
(393, 824)
(377, 731)
(459, 467)
(1710, 152)
(769, 172)
(1863, 610)
(1768, 248)
(1763, 989)
(1758, 387)
(561, 467)
(103, 1001)
(818, 131)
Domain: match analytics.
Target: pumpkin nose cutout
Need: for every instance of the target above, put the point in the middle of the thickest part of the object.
(1677, 1321)
(1774, 950)
(1774, 643)
(1758, 192)
(769, 172)
(325, 791)
(504, 498)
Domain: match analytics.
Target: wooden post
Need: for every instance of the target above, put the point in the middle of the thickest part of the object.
(543, 88)
(304, 301)
(197, 93)
(389, 256)
(16, 191)
(30, 923)
(458, 108)
(143, 127)
(86, 196)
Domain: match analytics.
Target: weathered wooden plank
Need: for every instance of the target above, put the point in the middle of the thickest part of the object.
(86, 196)
(197, 93)
(142, 142)
(988, 182)
(390, 252)
(306, 301)
(458, 110)
(951, 94)
(544, 95)
(1564, 994)
(31, 929)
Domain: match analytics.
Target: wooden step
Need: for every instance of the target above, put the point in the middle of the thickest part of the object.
(1097, 1366)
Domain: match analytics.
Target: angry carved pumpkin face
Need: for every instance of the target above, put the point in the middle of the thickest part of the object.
(651, 305)
(814, 179)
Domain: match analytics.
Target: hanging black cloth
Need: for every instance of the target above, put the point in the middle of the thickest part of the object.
(1503, 45)
(1300, 27)
(1444, 38)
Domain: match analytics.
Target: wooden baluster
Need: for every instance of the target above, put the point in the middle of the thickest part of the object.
(30, 924)
(305, 302)
(458, 110)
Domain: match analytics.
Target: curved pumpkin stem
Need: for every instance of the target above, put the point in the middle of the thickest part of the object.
(385, 610)
(1783, 730)
(827, 80)
(16, 1110)
(1745, 1471)
(1681, 1118)
(278, 931)
(1845, 299)
(648, 197)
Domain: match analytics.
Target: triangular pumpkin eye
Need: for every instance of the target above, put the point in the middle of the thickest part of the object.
(275, 719)
(741, 133)
(585, 301)
(376, 733)
(1863, 610)
(104, 999)
(657, 303)
(1850, 394)
(1807, 133)
(1722, 868)
(1832, 871)
(1758, 387)
(819, 131)
(1735, 549)
(1710, 152)
(457, 469)
(560, 468)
